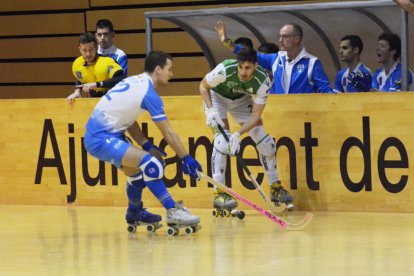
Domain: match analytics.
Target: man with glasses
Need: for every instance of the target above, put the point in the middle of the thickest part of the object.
(294, 69)
(105, 36)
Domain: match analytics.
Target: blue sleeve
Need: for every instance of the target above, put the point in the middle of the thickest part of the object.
(266, 60)
(153, 104)
(320, 79)
(338, 83)
(123, 62)
(237, 49)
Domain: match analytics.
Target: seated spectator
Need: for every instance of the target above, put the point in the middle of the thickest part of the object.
(388, 77)
(355, 77)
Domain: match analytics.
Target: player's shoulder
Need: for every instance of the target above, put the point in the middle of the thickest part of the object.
(363, 68)
(119, 52)
(342, 71)
(105, 60)
(260, 72)
(79, 61)
(228, 63)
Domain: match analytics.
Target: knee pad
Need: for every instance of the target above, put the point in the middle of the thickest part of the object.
(221, 145)
(265, 144)
(151, 169)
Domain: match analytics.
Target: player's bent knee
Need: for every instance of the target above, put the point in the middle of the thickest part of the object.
(221, 145)
(152, 169)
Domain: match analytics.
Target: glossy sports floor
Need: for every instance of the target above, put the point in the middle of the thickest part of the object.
(73, 240)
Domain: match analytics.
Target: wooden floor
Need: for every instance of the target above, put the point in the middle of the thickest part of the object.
(72, 240)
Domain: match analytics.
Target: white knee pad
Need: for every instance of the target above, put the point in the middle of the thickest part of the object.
(267, 150)
(264, 142)
(219, 158)
(221, 145)
(152, 169)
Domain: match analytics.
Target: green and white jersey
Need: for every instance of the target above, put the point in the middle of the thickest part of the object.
(225, 81)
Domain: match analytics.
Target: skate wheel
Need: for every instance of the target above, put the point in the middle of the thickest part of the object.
(188, 230)
(241, 214)
(226, 213)
(215, 213)
(132, 228)
(234, 212)
(151, 228)
(170, 231)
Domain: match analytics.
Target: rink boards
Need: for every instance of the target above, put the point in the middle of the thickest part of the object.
(335, 152)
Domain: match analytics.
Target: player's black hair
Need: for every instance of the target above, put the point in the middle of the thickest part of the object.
(244, 41)
(268, 48)
(247, 54)
(355, 42)
(154, 59)
(105, 23)
(87, 38)
(394, 41)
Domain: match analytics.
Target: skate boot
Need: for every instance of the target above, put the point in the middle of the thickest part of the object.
(225, 205)
(141, 216)
(279, 194)
(180, 217)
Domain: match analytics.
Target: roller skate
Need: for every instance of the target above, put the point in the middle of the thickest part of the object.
(225, 206)
(180, 217)
(279, 194)
(141, 216)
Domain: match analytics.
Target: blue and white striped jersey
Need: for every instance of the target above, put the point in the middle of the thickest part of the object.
(117, 54)
(391, 82)
(119, 108)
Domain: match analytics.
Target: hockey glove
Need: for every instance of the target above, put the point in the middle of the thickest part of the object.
(360, 81)
(234, 143)
(213, 118)
(191, 166)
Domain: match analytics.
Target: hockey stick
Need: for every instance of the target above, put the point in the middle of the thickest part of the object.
(282, 223)
(275, 209)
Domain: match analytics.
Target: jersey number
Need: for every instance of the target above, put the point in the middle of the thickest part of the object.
(123, 87)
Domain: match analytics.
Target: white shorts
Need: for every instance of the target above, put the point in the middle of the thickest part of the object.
(240, 109)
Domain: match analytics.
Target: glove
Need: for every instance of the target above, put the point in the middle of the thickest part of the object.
(155, 151)
(361, 82)
(213, 118)
(191, 166)
(234, 143)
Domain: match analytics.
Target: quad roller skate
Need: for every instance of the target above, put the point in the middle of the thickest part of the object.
(279, 194)
(180, 217)
(225, 206)
(141, 216)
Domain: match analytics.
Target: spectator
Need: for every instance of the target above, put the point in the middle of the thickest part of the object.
(355, 77)
(105, 36)
(388, 77)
